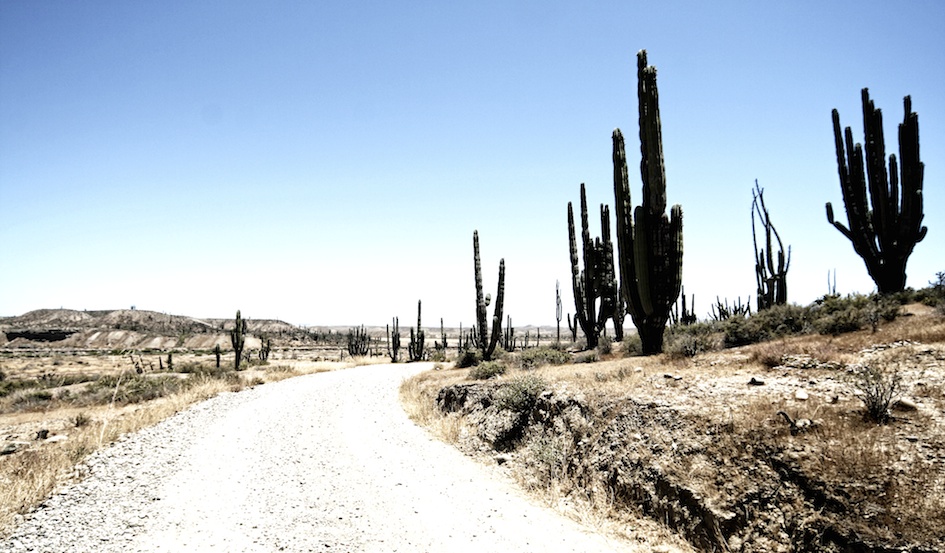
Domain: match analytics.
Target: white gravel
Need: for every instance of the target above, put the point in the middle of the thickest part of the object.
(326, 462)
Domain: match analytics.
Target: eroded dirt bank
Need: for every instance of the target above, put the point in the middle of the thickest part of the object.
(718, 463)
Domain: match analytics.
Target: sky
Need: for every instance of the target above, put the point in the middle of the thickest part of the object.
(326, 163)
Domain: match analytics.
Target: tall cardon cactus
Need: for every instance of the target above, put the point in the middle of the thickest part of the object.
(885, 235)
(770, 277)
(485, 341)
(415, 348)
(594, 287)
(650, 243)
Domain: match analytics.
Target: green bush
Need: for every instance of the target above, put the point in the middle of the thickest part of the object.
(835, 315)
(519, 394)
(486, 370)
(691, 340)
(468, 358)
(605, 345)
(590, 356)
(537, 357)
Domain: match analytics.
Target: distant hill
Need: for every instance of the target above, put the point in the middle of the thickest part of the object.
(132, 328)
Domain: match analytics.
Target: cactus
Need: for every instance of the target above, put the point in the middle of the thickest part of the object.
(558, 309)
(483, 340)
(772, 282)
(265, 348)
(216, 352)
(238, 339)
(508, 336)
(650, 243)
(415, 348)
(885, 235)
(722, 312)
(597, 281)
(393, 341)
(359, 343)
(683, 316)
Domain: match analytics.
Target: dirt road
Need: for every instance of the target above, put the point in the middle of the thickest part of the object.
(326, 462)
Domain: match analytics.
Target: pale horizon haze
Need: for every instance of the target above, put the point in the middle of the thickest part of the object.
(326, 163)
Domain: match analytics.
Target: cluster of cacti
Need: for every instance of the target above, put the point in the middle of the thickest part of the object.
(415, 348)
(238, 339)
(393, 341)
(359, 343)
(884, 232)
(722, 311)
(265, 348)
(650, 243)
(486, 342)
(771, 278)
(681, 315)
(595, 287)
(508, 335)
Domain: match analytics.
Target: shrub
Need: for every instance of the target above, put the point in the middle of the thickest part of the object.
(468, 358)
(878, 386)
(605, 345)
(691, 340)
(519, 394)
(537, 357)
(590, 356)
(486, 370)
(835, 315)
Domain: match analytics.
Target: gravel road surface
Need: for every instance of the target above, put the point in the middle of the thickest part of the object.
(326, 462)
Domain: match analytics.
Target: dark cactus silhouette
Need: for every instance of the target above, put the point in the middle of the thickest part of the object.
(682, 315)
(770, 277)
(415, 348)
(594, 287)
(558, 310)
(238, 339)
(359, 343)
(884, 232)
(393, 341)
(650, 243)
(483, 340)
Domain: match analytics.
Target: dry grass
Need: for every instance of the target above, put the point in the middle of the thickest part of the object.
(29, 476)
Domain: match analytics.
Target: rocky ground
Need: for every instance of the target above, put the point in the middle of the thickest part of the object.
(701, 443)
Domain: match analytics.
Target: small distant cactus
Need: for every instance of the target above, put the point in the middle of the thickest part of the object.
(359, 343)
(415, 349)
(217, 352)
(558, 309)
(238, 339)
(685, 316)
(393, 341)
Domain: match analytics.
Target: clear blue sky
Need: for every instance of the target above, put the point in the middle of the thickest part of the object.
(327, 162)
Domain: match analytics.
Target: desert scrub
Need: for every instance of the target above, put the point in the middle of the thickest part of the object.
(835, 315)
(468, 358)
(519, 394)
(137, 388)
(691, 340)
(538, 357)
(486, 370)
(878, 383)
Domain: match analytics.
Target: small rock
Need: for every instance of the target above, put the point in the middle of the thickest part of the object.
(42, 434)
(638, 369)
(905, 404)
(912, 439)
(755, 382)
(502, 459)
(801, 395)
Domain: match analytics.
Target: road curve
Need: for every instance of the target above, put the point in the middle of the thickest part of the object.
(326, 462)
